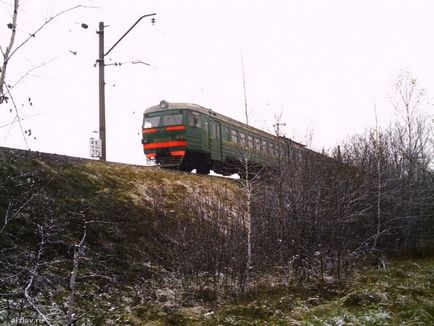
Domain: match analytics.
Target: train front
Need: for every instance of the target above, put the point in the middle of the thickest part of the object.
(164, 135)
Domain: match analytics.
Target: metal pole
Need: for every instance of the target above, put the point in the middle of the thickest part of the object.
(101, 85)
(101, 82)
(129, 30)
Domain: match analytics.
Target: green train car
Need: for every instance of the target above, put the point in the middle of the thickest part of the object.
(188, 136)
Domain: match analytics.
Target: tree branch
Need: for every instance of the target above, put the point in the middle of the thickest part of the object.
(6, 54)
(32, 35)
(78, 252)
(17, 114)
(32, 276)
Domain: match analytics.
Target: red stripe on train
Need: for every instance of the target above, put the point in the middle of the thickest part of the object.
(175, 128)
(165, 144)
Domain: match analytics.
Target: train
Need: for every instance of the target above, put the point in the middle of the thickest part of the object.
(187, 136)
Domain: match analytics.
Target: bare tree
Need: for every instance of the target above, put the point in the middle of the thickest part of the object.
(249, 174)
(33, 272)
(413, 152)
(7, 52)
(377, 145)
(78, 253)
(394, 164)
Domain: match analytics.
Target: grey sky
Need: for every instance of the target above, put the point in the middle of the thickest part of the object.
(320, 63)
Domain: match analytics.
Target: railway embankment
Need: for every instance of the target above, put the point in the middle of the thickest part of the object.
(88, 242)
(83, 237)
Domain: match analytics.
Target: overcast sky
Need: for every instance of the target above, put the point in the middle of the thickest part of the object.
(322, 64)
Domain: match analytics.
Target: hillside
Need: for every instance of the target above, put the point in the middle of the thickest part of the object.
(116, 227)
(91, 243)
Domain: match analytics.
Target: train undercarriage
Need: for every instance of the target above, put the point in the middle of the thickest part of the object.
(202, 163)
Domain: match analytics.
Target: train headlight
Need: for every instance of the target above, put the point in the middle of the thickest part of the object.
(164, 104)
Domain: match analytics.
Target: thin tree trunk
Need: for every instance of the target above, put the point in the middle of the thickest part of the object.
(72, 281)
(8, 50)
(378, 230)
(248, 188)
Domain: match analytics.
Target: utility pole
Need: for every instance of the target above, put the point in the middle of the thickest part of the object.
(101, 80)
(101, 87)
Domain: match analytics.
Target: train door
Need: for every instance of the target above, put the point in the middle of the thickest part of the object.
(212, 138)
(215, 140)
(206, 136)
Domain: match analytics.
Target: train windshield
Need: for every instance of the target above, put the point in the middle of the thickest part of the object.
(172, 119)
(151, 122)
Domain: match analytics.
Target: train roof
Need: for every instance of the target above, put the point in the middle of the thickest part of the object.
(165, 106)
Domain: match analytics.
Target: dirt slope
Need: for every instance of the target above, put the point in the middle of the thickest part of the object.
(130, 229)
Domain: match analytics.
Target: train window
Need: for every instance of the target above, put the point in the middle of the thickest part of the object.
(217, 130)
(264, 146)
(212, 130)
(194, 119)
(250, 141)
(234, 136)
(226, 134)
(172, 119)
(257, 144)
(206, 129)
(242, 139)
(151, 122)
